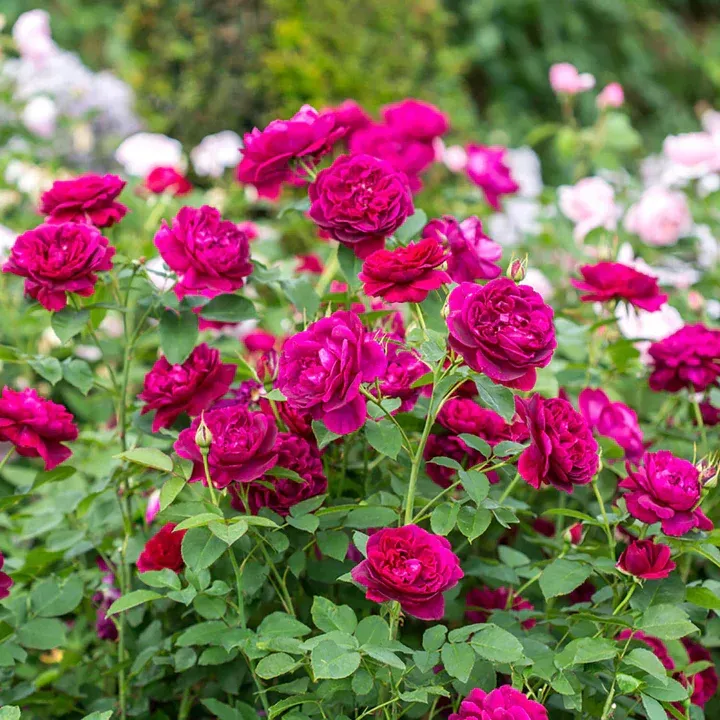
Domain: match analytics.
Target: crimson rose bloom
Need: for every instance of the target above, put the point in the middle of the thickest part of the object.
(210, 255)
(563, 452)
(665, 489)
(321, 370)
(167, 179)
(409, 565)
(647, 560)
(503, 703)
(59, 259)
(464, 415)
(268, 154)
(162, 551)
(6, 581)
(451, 447)
(481, 602)
(405, 274)
(404, 367)
(190, 387)
(503, 330)
(704, 684)
(35, 426)
(87, 199)
(242, 447)
(294, 453)
(657, 646)
(360, 200)
(487, 169)
(416, 119)
(689, 358)
(349, 116)
(608, 281)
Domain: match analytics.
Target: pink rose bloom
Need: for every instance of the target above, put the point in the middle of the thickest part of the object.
(563, 452)
(416, 119)
(309, 263)
(167, 179)
(210, 255)
(689, 358)
(704, 684)
(190, 387)
(503, 703)
(611, 96)
(349, 116)
(259, 341)
(6, 582)
(280, 494)
(404, 367)
(614, 420)
(269, 155)
(488, 169)
(153, 507)
(35, 426)
(693, 149)
(455, 158)
(296, 421)
(87, 199)
(405, 274)
(321, 370)
(661, 217)
(657, 646)
(59, 259)
(481, 602)
(665, 489)
(409, 565)
(359, 201)
(574, 534)
(472, 253)
(646, 559)
(463, 415)
(565, 78)
(590, 204)
(608, 281)
(452, 447)
(242, 447)
(503, 330)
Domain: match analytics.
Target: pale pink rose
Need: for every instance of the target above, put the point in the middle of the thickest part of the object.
(455, 158)
(153, 506)
(565, 78)
(538, 282)
(693, 149)
(661, 217)
(32, 36)
(589, 204)
(142, 152)
(40, 116)
(710, 120)
(645, 327)
(612, 96)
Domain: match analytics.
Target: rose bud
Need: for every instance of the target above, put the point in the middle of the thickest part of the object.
(574, 534)
(517, 270)
(647, 560)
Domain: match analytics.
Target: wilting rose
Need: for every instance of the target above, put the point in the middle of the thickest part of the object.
(704, 684)
(6, 582)
(210, 255)
(35, 426)
(611, 96)
(590, 204)
(416, 119)
(665, 489)
(608, 281)
(503, 330)
(647, 560)
(411, 566)
(167, 179)
(657, 646)
(359, 201)
(481, 602)
(242, 447)
(87, 199)
(190, 387)
(566, 79)
(162, 551)
(661, 217)
(488, 169)
(59, 259)
(321, 370)
(502, 703)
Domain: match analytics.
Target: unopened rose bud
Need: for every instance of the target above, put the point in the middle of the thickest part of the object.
(574, 534)
(267, 365)
(517, 269)
(203, 437)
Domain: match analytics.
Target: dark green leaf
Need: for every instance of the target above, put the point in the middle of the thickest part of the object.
(562, 576)
(229, 308)
(178, 334)
(132, 599)
(384, 436)
(200, 548)
(495, 397)
(68, 322)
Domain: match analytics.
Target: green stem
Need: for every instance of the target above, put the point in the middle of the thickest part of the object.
(509, 488)
(606, 522)
(331, 267)
(625, 600)
(700, 423)
(6, 457)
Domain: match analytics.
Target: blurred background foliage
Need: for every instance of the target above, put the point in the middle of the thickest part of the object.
(199, 66)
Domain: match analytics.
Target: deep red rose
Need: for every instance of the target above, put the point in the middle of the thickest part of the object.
(487, 169)
(163, 550)
(87, 199)
(704, 684)
(710, 414)
(657, 646)
(416, 119)
(6, 582)
(543, 526)
(167, 179)
(608, 281)
(37, 427)
(405, 274)
(190, 387)
(502, 703)
(59, 259)
(409, 565)
(582, 593)
(563, 452)
(452, 447)
(359, 201)
(481, 602)
(647, 560)
(463, 415)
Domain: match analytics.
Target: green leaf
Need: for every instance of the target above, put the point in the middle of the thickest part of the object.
(184, 659)
(475, 484)
(51, 599)
(332, 662)
(302, 295)
(444, 517)
(362, 682)
(703, 597)
(497, 645)
(276, 664)
(370, 516)
(323, 436)
(666, 622)
(350, 265)
(200, 548)
(306, 523)
(495, 397)
(201, 520)
(647, 661)
(68, 322)
(458, 660)
(411, 227)
(328, 617)
(473, 522)
(42, 634)
(383, 656)
(280, 624)
(170, 490)
(229, 308)
(373, 630)
(221, 710)
(211, 632)
(164, 578)
(476, 443)
(148, 457)
(653, 709)
(79, 374)
(562, 576)
(47, 367)
(434, 637)
(178, 334)
(586, 650)
(131, 600)
(333, 543)
(384, 436)
(231, 532)
(96, 715)
(508, 448)
(10, 712)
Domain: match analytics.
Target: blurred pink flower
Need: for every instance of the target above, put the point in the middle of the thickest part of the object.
(589, 204)
(565, 78)
(661, 217)
(611, 96)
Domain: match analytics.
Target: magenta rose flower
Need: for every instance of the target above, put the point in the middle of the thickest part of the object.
(502, 329)
(210, 255)
(416, 119)
(646, 559)
(689, 358)
(59, 259)
(657, 646)
(298, 422)
(6, 582)
(704, 684)
(87, 199)
(190, 387)
(37, 427)
(167, 179)
(563, 452)
(503, 703)
(486, 167)
(614, 420)
(449, 446)
(405, 274)
(483, 601)
(409, 565)
(269, 156)
(278, 493)
(242, 447)
(359, 201)
(322, 368)
(163, 550)
(665, 489)
(349, 116)
(608, 281)
(404, 367)
(463, 415)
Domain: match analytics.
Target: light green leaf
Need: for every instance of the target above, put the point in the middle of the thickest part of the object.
(332, 662)
(200, 548)
(79, 374)
(667, 622)
(275, 664)
(562, 576)
(148, 457)
(328, 617)
(497, 645)
(178, 334)
(131, 600)
(51, 599)
(384, 436)
(495, 397)
(42, 634)
(458, 660)
(229, 308)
